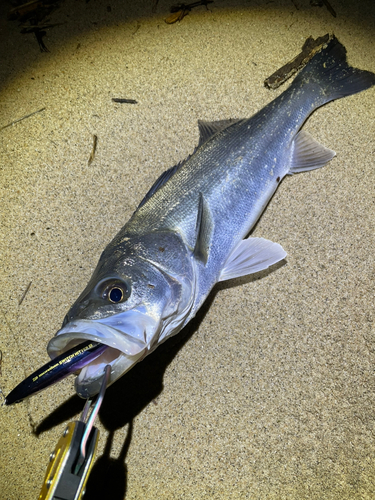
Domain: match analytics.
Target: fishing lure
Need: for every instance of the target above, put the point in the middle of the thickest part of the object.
(56, 369)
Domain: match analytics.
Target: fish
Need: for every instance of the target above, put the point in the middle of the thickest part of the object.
(192, 228)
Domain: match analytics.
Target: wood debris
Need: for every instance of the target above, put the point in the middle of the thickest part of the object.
(120, 100)
(180, 10)
(92, 155)
(23, 118)
(309, 49)
(24, 294)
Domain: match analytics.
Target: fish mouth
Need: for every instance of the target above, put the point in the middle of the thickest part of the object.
(127, 338)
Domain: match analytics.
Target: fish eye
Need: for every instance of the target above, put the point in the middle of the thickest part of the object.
(116, 291)
(115, 294)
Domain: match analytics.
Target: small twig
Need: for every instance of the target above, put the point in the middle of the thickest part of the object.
(25, 9)
(136, 29)
(124, 101)
(189, 6)
(24, 294)
(329, 8)
(177, 16)
(92, 155)
(295, 5)
(30, 27)
(320, 3)
(39, 34)
(23, 118)
(180, 10)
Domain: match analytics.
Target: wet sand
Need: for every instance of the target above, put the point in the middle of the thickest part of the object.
(270, 391)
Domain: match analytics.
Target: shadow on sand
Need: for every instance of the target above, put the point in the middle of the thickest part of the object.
(128, 397)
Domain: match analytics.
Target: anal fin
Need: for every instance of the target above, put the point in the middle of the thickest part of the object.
(251, 256)
(308, 154)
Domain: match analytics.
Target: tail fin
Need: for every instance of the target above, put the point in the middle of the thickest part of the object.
(330, 71)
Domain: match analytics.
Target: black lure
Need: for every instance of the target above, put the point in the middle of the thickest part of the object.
(56, 369)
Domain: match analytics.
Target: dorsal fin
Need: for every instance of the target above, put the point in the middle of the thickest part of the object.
(161, 180)
(203, 229)
(208, 129)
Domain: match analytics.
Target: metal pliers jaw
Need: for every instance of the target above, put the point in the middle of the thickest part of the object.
(72, 460)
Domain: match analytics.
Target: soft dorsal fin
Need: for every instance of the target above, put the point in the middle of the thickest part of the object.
(203, 231)
(208, 129)
(251, 256)
(161, 180)
(308, 154)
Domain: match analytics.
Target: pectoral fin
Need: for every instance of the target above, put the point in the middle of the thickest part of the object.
(308, 154)
(203, 230)
(251, 256)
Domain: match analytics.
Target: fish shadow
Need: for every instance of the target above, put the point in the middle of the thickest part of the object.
(129, 396)
(122, 403)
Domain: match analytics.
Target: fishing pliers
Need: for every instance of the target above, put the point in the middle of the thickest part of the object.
(71, 462)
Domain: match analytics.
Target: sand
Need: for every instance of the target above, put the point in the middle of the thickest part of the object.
(270, 391)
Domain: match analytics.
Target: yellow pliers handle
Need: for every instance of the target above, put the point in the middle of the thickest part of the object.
(62, 482)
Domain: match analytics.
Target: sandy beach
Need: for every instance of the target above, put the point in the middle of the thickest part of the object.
(269, 393)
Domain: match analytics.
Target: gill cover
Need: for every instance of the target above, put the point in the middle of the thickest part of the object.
(139, 294)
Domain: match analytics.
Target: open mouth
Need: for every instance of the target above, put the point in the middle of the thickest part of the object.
(125, 342)
(87, 347)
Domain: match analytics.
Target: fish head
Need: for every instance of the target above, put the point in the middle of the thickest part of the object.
(139, 294)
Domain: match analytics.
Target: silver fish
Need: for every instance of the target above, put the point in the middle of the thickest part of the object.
(190, 230)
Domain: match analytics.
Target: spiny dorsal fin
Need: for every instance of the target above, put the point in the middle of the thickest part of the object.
(161, 180)
(208, 129)
(203, 230)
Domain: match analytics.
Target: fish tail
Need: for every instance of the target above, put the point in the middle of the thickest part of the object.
(330, 71)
